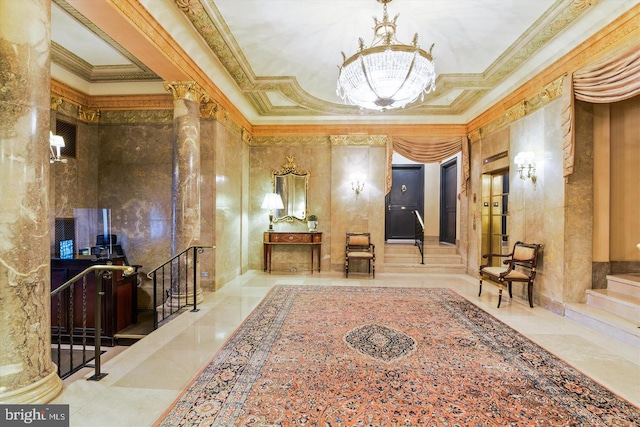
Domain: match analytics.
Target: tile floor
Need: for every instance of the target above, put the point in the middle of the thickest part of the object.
(144, 379)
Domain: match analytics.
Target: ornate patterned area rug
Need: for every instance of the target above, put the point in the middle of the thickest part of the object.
(362, 356)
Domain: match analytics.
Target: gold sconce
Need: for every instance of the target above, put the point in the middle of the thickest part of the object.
(54, 153)
(526, 163)
(357, 182)
(272, 201)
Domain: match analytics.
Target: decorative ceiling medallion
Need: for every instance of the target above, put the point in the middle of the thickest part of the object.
(380, 342)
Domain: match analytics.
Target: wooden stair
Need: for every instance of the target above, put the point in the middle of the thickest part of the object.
(614, 311)
(404, 257)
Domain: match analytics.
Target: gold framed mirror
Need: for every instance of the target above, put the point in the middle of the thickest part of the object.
(291, 184)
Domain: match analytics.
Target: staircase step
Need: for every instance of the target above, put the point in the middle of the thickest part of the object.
(622, 305)
(428, 258)
(605, 322)
(397, 248)
(625, 283)
(418, 268)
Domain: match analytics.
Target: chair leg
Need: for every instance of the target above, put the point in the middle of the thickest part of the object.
(510, 292)
(346, 268)
(373, 267)
(530, 292)
(499, 296)
(480, 292)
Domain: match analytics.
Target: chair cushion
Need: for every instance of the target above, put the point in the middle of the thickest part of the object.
(358, 241)
(496, 271)
(358, 254)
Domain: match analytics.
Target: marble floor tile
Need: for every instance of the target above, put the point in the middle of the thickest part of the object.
(145, 378)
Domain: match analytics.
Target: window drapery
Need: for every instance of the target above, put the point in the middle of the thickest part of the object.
(614, 78)
(430, 150)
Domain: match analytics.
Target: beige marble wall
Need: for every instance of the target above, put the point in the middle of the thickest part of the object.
(314, 157)
(365, 213)
(207, 203)
(229, 209)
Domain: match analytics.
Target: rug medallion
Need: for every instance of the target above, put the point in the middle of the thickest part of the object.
(365, 356)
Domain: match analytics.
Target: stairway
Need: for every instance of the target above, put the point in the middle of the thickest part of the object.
(404, 257)
(614, 311)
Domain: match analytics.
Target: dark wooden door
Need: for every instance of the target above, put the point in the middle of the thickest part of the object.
(448, 201)
(406, 195)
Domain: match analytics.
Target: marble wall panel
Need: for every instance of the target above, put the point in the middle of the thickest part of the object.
(364, 213)
(135, 182)
(228, 204)
(207, 204)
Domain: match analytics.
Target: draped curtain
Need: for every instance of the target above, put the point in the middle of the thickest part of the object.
(429, 150)
(614, 78)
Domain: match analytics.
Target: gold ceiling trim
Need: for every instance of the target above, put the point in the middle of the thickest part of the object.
(218, 37)
(519, 110)
(285, 141)
(625, 28)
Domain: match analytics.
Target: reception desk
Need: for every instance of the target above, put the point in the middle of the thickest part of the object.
(119, 302)
(271, 239)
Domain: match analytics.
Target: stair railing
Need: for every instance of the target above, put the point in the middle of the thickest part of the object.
(173, 278)
(419, 234)
(102, 273)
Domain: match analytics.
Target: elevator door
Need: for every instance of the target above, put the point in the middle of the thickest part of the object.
(495, 213)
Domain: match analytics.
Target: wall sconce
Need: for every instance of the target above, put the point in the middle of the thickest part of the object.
(54, 154)
(526, 162)
(272, 201)
(357, 183)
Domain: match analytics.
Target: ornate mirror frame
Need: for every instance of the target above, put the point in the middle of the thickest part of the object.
(291, 184)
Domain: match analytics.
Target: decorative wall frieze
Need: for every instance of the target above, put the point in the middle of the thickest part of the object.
(360, 140)
(521, 109)
(112, 117)
(281, 141)
(189, 90)
(88, 115)
(246, 136)
(56, 101)
(132, 102)
(69, 94)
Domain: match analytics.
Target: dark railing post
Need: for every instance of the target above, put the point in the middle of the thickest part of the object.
(195, 278)
(100, 276)
(155, 301)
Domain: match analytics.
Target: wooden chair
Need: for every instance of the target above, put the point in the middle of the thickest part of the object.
(525, 257)
(359, 246)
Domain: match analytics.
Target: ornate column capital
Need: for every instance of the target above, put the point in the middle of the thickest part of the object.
(56, 101)
(187, 90)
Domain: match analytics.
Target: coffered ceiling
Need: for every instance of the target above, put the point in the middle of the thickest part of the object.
(277, 60)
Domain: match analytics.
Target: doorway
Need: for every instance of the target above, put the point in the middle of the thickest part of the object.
(448, 201)
(406, 195)
(495, 212)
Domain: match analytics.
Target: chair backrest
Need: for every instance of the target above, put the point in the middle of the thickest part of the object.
(360, 240)
(526, 254)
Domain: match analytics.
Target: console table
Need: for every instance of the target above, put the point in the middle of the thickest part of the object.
(312, 239)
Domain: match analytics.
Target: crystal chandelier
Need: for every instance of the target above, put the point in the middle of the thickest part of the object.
(387, 74)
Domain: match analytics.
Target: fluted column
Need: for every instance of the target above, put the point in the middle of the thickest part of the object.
(186, 216)
(27, 374)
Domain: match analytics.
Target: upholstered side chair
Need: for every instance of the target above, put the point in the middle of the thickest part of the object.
(359, 247)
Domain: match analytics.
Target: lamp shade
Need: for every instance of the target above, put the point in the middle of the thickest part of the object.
(272, 201)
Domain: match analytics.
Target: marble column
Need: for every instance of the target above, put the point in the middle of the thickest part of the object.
(186, 212)
(27, 374)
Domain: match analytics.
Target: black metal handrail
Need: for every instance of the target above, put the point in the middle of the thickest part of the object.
(419, 235)
(102, 272)
(176, 293)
